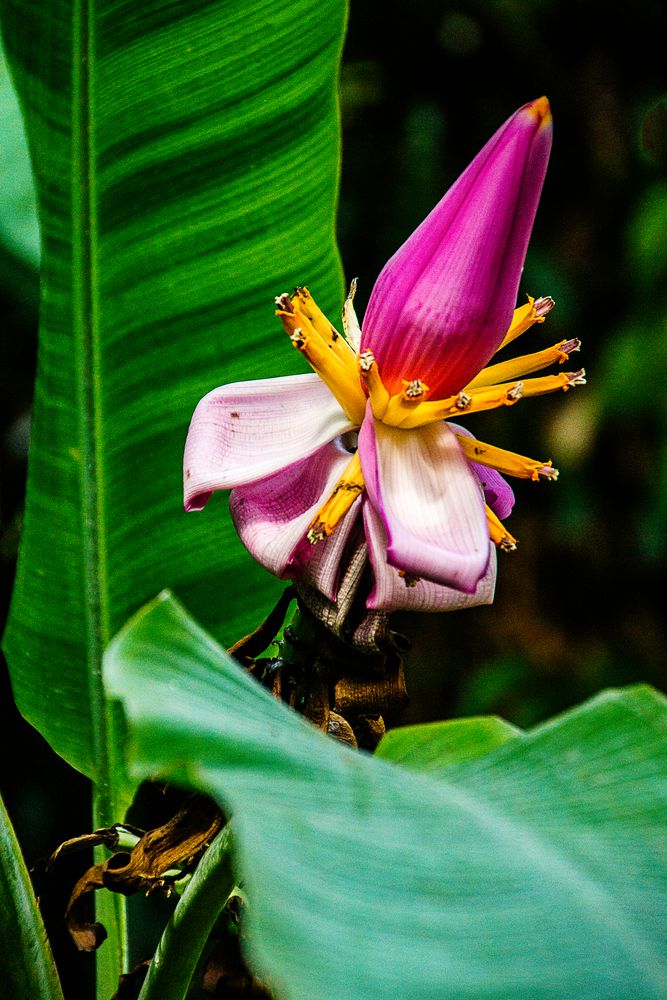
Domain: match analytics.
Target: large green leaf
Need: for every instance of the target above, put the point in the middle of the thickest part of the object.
(434, 745)
(28, 969)
(19, 231)
(537, 869)
(186, 161)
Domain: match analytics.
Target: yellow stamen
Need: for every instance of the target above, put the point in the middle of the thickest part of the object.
(552, 383)
(377, 392)
(338, 372)
(348, 488)
(524, 365)
(403, 405)
(498, 534)
(473, 401)
(507, 462)
(305, 304)
(534, 311)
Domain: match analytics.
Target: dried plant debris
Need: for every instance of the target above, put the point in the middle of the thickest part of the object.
(158, 859)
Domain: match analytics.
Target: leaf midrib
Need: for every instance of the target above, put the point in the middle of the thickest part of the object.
(86, 339)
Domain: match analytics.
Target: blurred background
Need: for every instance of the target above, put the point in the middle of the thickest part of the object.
(580, 604)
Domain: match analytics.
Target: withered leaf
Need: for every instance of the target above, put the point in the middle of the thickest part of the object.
(177, 844)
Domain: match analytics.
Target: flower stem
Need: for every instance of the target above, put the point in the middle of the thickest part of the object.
(179, 950)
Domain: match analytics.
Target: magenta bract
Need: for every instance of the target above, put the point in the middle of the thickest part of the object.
(442, 304)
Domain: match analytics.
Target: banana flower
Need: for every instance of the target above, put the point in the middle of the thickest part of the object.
(367, 447)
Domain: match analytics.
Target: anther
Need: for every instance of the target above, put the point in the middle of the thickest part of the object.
(507, 544)
(284, 302)
(570, 346)
(515, 393)
(414, 389)
(316, 534)
(575, 378)
(547, 472)
(463, 401)
(298, 338)
(366, 361)
(543, 307)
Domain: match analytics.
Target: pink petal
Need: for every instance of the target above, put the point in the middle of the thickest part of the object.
(242, 432)
(272, 515)
(498, 493)
(392, 593)
(443, 303)
(430, 502)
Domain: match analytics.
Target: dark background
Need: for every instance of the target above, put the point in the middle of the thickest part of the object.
(579, 606)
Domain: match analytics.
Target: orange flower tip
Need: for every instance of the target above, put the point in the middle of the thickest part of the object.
(463, 401)
(366, 361)
(409, 579)
(541, 110)
(298, 339)
(575, 378)
(543, 307)
(414, 389)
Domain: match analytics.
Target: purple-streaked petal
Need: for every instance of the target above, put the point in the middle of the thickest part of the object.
(498, 493)
(272, 515)
(443, 303)
(243, 432)
(429, 500)
(392, 592)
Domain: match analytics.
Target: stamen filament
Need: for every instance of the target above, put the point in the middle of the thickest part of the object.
(304, 303)
(504, 461)
(377, 393)
(524, 365)
(552, 383)
(534, 311)
(348, 488)
(339, 375)
(498, 533)
(473, 401)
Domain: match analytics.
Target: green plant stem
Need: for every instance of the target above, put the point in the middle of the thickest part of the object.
(28, 968)
(180, 947)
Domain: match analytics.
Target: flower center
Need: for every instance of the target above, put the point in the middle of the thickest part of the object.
(351, 373)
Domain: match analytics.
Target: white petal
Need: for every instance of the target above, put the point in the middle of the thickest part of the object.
(391, 592)
(245, 431)
(430, 502)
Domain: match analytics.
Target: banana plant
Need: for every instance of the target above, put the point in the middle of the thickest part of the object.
(186, 160)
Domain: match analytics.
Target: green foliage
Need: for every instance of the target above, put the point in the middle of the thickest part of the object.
(186, 162)
(535, 869)
(431, 747)
(28, 969)
(19, 231)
